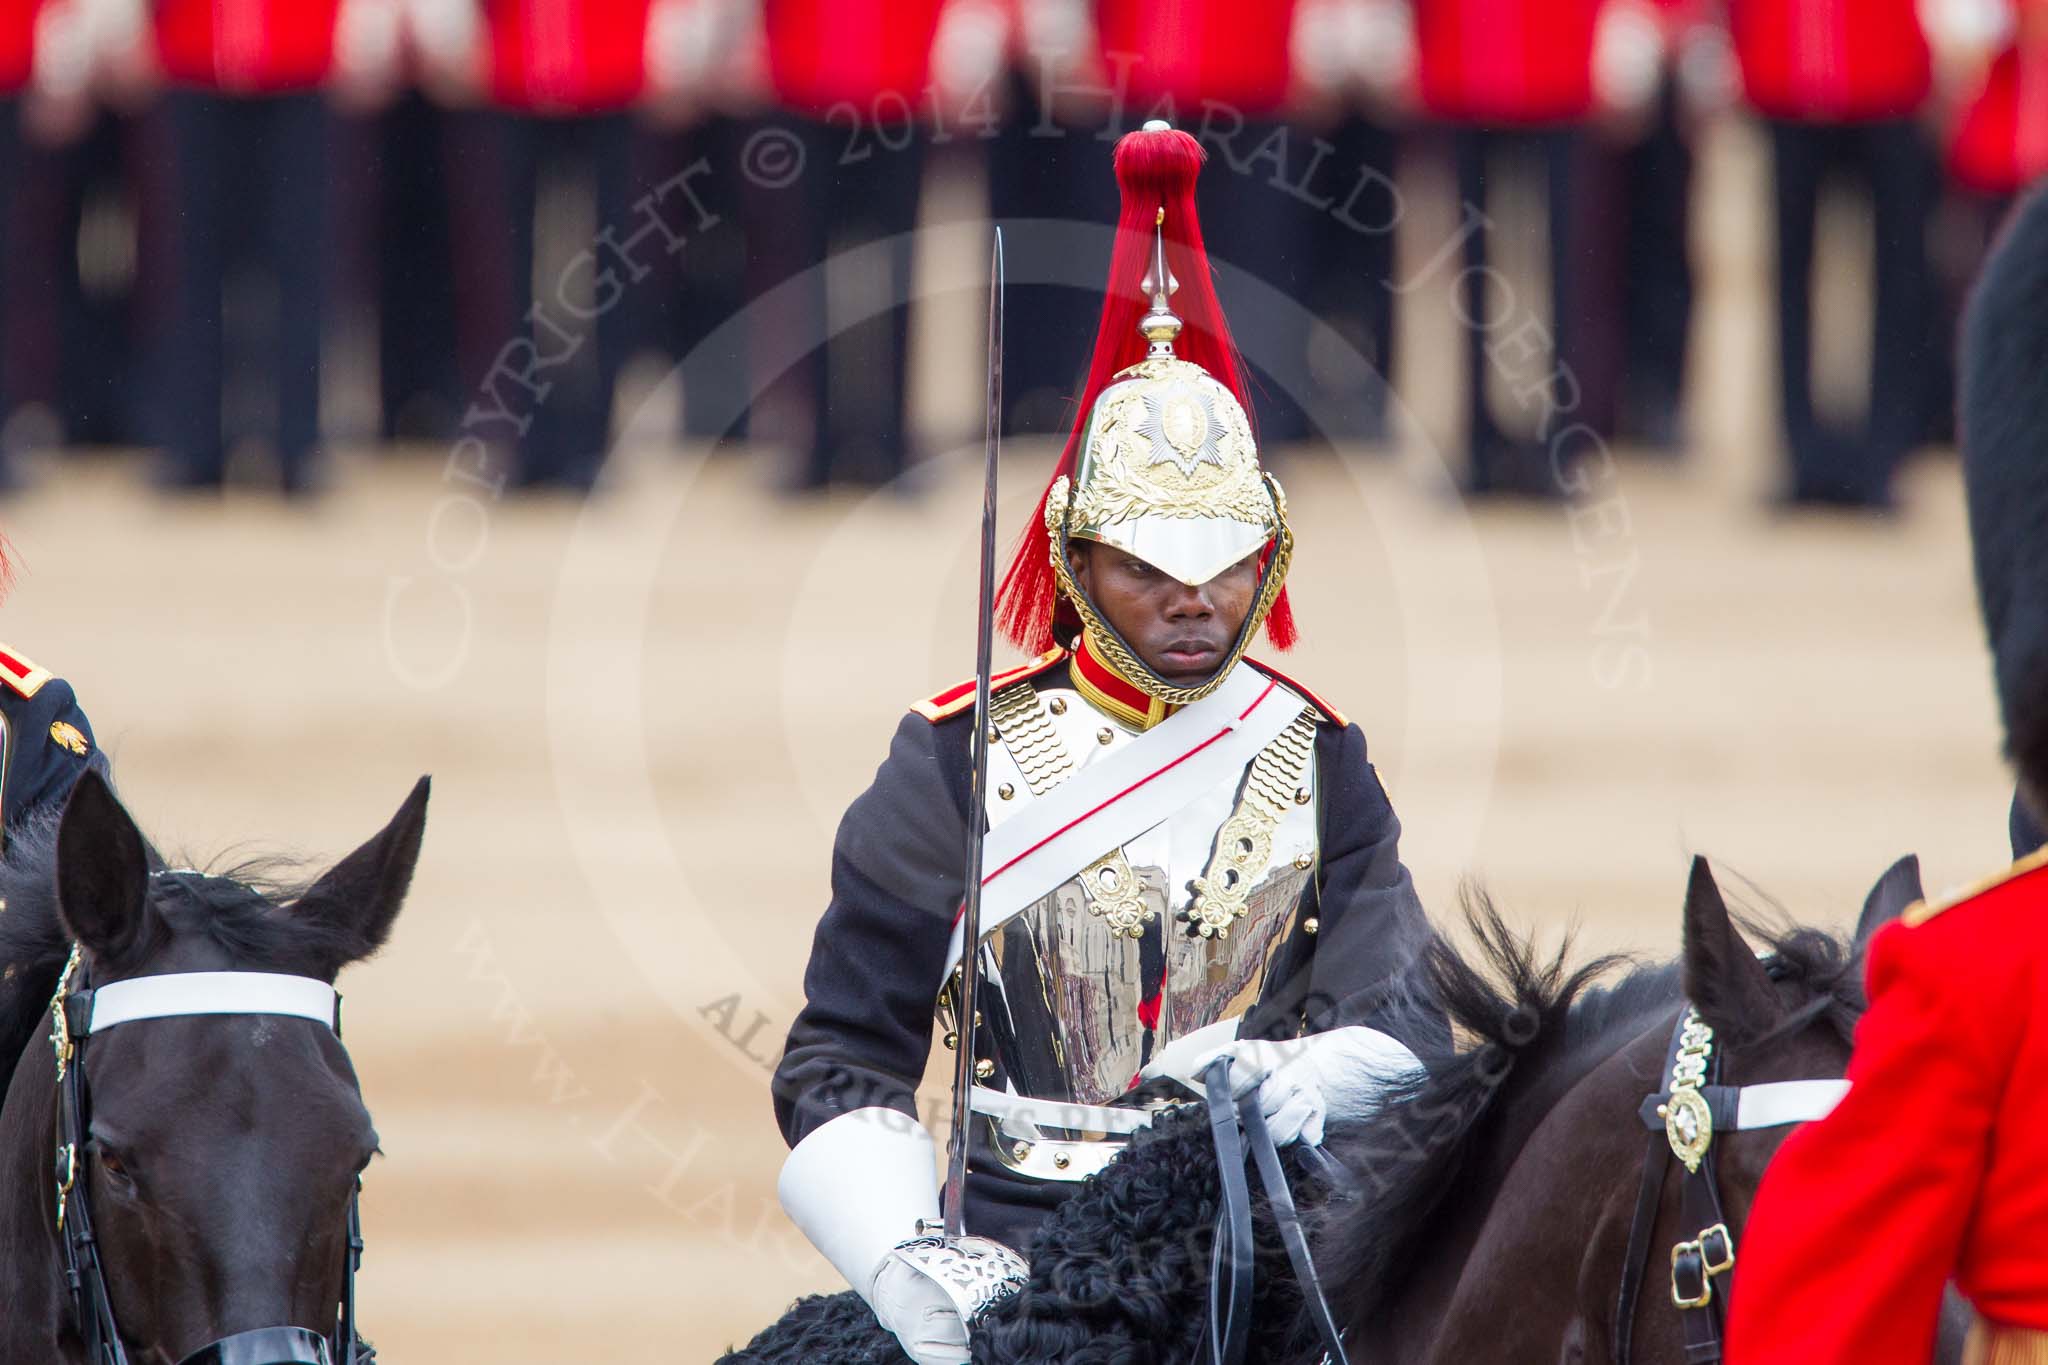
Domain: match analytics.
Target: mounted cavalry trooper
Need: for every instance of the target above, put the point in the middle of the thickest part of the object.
(1930, 1169)
(1188, 852)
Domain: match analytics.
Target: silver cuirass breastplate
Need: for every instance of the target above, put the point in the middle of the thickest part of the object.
(1087, 984)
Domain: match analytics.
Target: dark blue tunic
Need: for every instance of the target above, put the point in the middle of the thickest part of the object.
(48, 745)
(865, 1032)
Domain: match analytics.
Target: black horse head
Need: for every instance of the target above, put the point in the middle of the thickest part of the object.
(220, 1152)
(1494, 1217)
(1806, 977)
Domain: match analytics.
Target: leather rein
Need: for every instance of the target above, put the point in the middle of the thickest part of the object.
(1683, 1118)
(1235, 1127)
(75, 1011)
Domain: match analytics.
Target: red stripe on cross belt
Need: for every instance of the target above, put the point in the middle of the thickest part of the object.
(1105, 804)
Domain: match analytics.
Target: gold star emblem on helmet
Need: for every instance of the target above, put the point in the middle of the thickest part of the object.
(1181, 422)
(70, 737)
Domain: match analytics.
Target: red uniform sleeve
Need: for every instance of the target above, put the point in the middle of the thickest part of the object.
(1858, 1223)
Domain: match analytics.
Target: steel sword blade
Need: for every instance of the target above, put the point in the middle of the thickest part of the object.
(977, 823)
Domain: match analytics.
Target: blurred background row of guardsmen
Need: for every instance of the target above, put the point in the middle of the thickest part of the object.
(197, 195)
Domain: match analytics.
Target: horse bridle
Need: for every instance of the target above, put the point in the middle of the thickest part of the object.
(76, 1012)
(1683, 1118)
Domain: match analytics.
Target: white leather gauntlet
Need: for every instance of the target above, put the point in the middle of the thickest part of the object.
(1302, 1082)
(864, 1189)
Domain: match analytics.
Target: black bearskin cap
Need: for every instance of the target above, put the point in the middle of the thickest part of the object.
(2003, 416)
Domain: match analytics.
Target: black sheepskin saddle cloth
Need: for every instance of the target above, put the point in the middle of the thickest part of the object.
(1119, 1274)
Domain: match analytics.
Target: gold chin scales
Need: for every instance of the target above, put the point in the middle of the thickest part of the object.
(1245, 842)
(1114, 893)
(1111, 649)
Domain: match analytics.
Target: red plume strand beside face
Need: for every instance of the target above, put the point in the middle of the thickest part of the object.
(1154, 171)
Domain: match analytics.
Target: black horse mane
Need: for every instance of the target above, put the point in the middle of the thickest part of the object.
(1531, 1029)
(235, 905)
(1119, 1273)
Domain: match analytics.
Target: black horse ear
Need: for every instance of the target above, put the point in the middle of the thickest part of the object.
(1723, 978)
(102, 871)
(1898, 888)
(361, 895)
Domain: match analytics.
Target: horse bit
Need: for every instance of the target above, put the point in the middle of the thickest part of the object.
(1682, 1119)
(75, 1014)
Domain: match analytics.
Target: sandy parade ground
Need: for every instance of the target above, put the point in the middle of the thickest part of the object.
(644, 715)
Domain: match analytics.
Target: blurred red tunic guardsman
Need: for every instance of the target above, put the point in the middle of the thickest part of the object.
(567, 56)
(857, 82)
(2000, 143)
(1932, 1168)
(1833, 60)
(867, 53)
(259, 47)
(1512, 62)
(1215, 51)
(17, 43)
(567, 73)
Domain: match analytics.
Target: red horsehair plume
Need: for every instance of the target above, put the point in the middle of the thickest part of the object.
(1155, 170)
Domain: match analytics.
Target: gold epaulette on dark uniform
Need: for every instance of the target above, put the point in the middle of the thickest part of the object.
(959, 697)
(1919, 912)
(19, 674)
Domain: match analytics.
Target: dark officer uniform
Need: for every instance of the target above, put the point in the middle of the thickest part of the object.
(865, 1032)
(46, 742)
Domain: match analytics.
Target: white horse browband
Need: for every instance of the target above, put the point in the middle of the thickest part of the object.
(190, 993)
(1775, 1103)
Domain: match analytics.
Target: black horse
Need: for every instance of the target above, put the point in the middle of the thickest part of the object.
(1494, 1211)
(1482, 1216)
(218, 1154)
